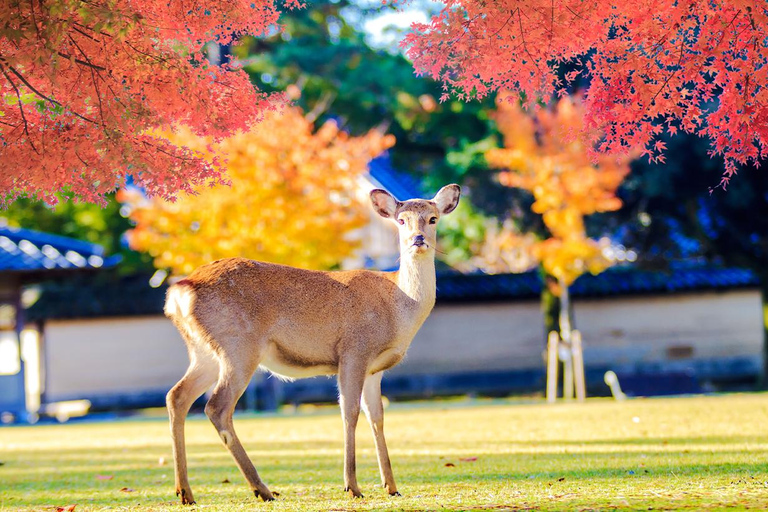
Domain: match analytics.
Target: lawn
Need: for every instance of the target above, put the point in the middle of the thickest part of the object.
(670, 454)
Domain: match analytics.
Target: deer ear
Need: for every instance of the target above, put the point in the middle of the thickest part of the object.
(384, 203)
(447, 199)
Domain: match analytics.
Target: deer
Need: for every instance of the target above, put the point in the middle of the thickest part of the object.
(236, 315)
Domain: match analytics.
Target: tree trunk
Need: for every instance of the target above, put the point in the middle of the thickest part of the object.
(550, 305)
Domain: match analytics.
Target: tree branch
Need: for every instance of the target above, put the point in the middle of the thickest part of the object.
(95, 81)
(25, 82)
(81, 62)
(21, 108)
(522, 36)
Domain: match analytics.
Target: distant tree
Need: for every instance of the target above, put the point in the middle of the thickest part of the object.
(567, 185)
(83, 82)
(651, 67)
(291, 200)
(565, 182)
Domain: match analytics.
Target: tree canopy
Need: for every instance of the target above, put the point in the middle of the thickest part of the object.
(566, 184)
(651, 67)
(82, 83)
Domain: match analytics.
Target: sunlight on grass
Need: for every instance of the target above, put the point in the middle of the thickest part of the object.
(678, 453)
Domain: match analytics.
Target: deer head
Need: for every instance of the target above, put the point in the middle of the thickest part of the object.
(416, 219)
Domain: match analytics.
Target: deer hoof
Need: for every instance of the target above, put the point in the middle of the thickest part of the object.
(266, 496)
(396, 494)
(353, 492)
(186, 496)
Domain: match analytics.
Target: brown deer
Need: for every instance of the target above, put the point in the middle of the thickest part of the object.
(237, 314)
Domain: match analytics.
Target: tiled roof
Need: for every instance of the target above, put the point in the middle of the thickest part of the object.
(100, 296)
(401, 185)
(24, 250)
(82, 298)
(623, 280)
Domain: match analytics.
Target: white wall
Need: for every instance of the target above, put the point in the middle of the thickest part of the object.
(100, 356)
(714, 324)
(616, 331)
(476, 337)
(141, 354)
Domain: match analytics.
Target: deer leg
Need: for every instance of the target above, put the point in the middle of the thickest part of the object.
(200, 375)
(233, 380)
(351, 381)
(374, 411)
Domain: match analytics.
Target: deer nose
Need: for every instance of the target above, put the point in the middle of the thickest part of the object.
(418, 240)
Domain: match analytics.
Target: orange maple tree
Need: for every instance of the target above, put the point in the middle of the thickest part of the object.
(655, 66)
(566, 183)
(84, 82)
(291, 199)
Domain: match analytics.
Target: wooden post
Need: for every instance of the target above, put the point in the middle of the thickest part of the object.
(566, 354)
(578, 366)
(552, 364)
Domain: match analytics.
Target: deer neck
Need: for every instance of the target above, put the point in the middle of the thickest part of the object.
(416, 278)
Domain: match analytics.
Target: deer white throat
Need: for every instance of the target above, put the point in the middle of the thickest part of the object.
(416, 279)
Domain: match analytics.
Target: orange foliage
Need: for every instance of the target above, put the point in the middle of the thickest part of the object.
(543, 155)
(291, 200)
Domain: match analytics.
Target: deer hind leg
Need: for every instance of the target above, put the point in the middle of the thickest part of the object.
(236, 372)
(201, 374)
(374, 411)
(351, 381)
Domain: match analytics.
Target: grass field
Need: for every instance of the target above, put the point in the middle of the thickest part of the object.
(669, 454)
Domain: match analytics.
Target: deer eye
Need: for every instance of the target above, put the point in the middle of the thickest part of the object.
(433, 220)
(401, 221)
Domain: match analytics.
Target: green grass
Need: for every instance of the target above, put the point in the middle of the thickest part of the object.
(680, 453)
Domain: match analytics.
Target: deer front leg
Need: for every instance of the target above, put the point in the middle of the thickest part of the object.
(351, 378)
(374, 410)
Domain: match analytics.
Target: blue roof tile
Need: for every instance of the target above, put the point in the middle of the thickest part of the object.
(401, 185)
(25, 250)
(624, 280)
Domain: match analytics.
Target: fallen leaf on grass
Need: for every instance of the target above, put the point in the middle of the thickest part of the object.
(450, 465)
(126, 489)
(104, 477)
(561, 479)
(468, 459)
(68, 508)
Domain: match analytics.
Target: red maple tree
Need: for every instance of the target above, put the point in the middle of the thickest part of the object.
(700, 66)
(84, 82)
